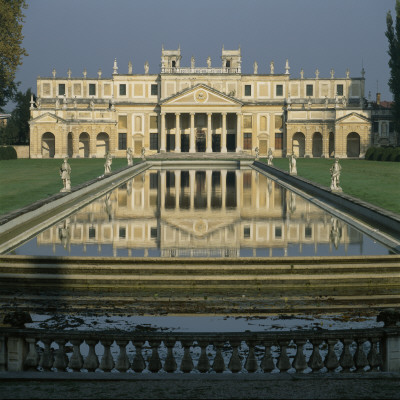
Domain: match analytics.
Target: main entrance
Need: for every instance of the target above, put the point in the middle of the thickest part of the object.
(200, 141)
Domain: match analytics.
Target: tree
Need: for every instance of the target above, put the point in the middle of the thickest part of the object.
(11, 52)
(393, 36)
(17, 129)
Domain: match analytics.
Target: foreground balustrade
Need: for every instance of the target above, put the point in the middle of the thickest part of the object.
(151, 352)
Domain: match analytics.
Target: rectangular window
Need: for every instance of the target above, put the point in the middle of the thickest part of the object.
(92, 89)
(246, 232)
(278, 232)
(153, 233)
(308, 232)
(61, 89)
(375, 126)
(92, 233)
(121, 141)
(309, 90)
(122, 122)
(122, 233)
(153, 141)
(247, 90)
(154, 90)
(278, 121)
(279, 90)
(278, 141)
(122, 89)
(154, 180)
(247, 141)
(339, 90)
(153, 122)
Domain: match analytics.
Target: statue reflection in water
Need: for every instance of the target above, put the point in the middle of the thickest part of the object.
(64, 234)
(336, 232)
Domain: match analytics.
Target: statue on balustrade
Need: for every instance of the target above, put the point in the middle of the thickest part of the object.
(107, 165)
(292, 164)
(129, 156)
(143, 153)
(65, 173)
(270, 157)
(257, 151)
(335, 176)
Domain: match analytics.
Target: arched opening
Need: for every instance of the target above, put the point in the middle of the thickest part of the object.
(317, 144)
(84, 141)
(69, 145)
(331, 144)
(299, 144)
(353, 144)
(48, 145)
(102, 144)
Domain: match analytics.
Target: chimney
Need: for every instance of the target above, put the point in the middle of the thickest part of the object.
(378, 99)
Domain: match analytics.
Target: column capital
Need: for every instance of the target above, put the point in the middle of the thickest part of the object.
(238, 113)
(209, 114)
(224, 113)
(162, 113)
(192, 114)
(177, 114)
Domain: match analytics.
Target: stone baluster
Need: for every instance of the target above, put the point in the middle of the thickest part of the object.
(138, 364)
(32, 358)
(123, 363)
(251, 364)
(331, 361)
(374, 357)
(170, 363)
(346, 359)
(107, 361)
(154, 362)
(47, 358)
(300, 363)
(60, 358)
(315, 362)
(187, 362)
(360, 357)
(283, 360)
(203, 364)
(76, 360)
(267, 362)
(235, 365)
(91, 362)
(218, 364)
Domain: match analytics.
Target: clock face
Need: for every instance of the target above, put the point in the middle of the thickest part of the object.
(201, 96)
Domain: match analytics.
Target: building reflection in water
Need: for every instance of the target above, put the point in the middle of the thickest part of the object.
(193, 213)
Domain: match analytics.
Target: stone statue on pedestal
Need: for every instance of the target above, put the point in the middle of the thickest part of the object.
(146, 67)
(129, 155)
(192, 62)
(292, 164)
(209, 62)
(257, 151)
(255, 66)
(270, 157)
(335, 176)
(272, 67)
(65, 173)
(107, 165)
(143, 153)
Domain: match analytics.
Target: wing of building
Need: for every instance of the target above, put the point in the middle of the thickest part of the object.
(200, 109)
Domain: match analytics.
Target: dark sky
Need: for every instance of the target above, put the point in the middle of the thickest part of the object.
(312, 34)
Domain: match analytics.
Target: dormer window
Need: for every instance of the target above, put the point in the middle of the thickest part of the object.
(173, 64)
(228, 64)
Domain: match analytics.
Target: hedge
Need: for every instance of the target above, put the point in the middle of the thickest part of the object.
(7, 153)
(383, 154)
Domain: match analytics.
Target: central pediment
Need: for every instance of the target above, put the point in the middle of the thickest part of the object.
(201, 95)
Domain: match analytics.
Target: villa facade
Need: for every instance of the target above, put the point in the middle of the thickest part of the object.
(200, 109)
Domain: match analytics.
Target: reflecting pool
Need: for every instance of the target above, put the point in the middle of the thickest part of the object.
(201, 213)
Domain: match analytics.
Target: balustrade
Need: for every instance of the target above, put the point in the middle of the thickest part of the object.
(300, 352)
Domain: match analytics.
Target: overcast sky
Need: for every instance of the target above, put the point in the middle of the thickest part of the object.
(312, 34)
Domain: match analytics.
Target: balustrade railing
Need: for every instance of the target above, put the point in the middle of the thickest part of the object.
(153, 352)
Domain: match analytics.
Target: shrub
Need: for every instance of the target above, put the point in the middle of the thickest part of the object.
(369, 153)
(395, 155)
(378, 153)
(387, 153)
(7, 153)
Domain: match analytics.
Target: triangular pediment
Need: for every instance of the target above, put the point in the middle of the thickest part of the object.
(198, 227)
(47, 117)
(201, 95)
(353, 118)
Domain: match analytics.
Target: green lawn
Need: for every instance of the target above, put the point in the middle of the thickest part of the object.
(376, 182)
(25, 181)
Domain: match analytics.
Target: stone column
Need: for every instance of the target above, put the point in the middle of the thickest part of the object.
(209, 187)
(192, 144)
(308, 144)
(223, 134)
(75, 144)
(192, 177)
(209, 137)
(163, 135)
(92, 145)
(239, 139)
(325, 142)
(177, 133)
(223, 188)
(163, 184)
(177, 188)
